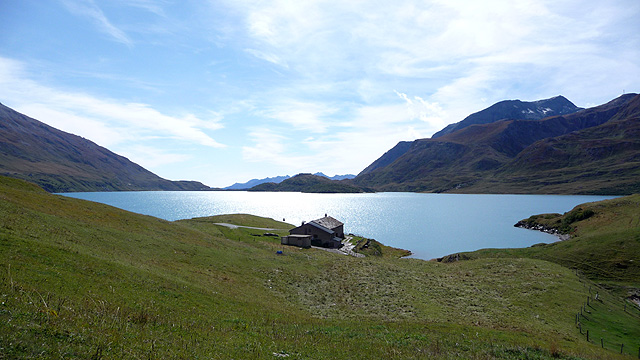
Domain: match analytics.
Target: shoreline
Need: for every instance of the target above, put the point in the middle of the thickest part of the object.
(523, 224)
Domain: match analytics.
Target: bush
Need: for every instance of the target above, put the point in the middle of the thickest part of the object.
(573, 216)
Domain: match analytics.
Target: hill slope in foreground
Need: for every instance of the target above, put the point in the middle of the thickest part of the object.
(63, 162)
(85, 280)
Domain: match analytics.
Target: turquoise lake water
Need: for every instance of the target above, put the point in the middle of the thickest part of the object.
(430, 225)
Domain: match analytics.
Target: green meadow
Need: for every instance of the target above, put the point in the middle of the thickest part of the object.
(85, 280)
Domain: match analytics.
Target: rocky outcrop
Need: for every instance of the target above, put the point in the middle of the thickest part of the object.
(453, 258)
(526, 224)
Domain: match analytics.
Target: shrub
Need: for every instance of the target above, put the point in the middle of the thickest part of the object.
(573, 216)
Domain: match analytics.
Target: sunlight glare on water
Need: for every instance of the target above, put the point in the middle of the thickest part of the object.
(430, 225)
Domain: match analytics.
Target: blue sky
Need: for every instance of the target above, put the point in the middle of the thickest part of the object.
(226, 91)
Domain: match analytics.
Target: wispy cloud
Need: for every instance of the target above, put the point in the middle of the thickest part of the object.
(153, 6)
(311, 81)
(443, 42)
(267, 146)
(151, 156)
(340, 145)
(108, 122)
(90, 10)
(429, 112)
(272, 58)
(309, 116)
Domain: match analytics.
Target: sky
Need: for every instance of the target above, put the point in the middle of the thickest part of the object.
(224, 91)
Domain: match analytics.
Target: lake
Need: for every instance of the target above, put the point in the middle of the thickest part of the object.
(430, 225)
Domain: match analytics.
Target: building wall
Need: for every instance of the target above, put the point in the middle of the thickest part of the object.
(303, 242)
(339, 231)
(318, 237)
(334, 244)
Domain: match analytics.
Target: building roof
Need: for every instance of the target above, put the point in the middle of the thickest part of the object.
(323, 228)
(328, 222)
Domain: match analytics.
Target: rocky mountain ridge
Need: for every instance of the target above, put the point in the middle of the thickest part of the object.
(514, 110)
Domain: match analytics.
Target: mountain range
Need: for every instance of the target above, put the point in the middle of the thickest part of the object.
(62, 162)
(546, 146)
(278, 179)
(582, 151)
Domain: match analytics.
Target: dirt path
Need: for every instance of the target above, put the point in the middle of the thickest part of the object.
(231, 226)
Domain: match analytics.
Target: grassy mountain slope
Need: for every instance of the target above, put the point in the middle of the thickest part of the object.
(310, 183)
(387, 158)
(510, 156)
(85, 280)
(605, 248)
(504, 110)
(63, 162)
(603, 159)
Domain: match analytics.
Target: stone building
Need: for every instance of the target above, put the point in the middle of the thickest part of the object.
(325, 232)
(303, 241)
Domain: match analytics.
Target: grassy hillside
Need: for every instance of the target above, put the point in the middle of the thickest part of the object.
(604, 244)
(85, 280)
(63, 162)
(310, 183)
(371, 247)
(605, 249)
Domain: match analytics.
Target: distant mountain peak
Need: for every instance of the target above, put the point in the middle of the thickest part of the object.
(254, 182)
(590, 151)
(278, 179)
(514, 110)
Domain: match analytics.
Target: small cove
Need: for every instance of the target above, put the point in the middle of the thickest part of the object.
(430, 225)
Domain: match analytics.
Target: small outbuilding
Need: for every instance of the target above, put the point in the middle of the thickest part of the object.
(325, 232)
(303, 241)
